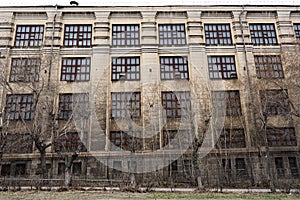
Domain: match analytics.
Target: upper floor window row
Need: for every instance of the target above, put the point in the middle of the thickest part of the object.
(217, 34)
(263, 34)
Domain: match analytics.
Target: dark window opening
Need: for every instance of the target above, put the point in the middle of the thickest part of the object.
(275, 102)
(232, 138)
(176, 104)
(293, 166)
(131, 141)
(78, 36)
(126, 104)
(125, 68)
(125, 35)
(281, 137)
(227, 101)
(268, 66)
(240, 166)
(19, 106)
(279, 166)
(75, 69)
(263, 34)
(25, 70)
(29, 36)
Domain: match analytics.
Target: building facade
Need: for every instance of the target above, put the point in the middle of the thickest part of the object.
(140, 83)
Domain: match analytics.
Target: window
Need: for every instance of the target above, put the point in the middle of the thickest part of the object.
(176, 104)
(78, 35)
(263, 34)
(221, 67)
(297, 32)
(75, 69)
(16, 143)
(268, 66)
(274, 102)
(227, 101)
(176, 139)
(232, 138)
(24, 69)
(217, 34)
(174, 68)
(187, 166)
(240, 167)
(70, 142)
(279, 166)
(126, 104)
(127, 141)
(19, 106)
(173, 166)
(76, 168)
(20, 169)
(293, 166)
(5, 169)
(29, 35)
(171, 34)
(281, 137)
(125, 35)
(61, 168)
(73, 104)
(125, 68)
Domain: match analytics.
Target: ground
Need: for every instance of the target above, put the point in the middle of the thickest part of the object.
(113, 195)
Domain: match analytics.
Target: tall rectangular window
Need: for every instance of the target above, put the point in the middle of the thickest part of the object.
(125, 104)
(176, 139)
(70, 142)
(240, 167)
(131, 141)
(125, 35)
(268, 66)
(176, 104)
(278, 137)
(78, 35)
(174, 68)
(263, 34)
(274, 102)
(227, 101)
(172, 34)
(297, 32)
(29, 36)
(293, 166)
(279, 166)
(221, 67)
(75, 69)
(232, 138)
(25, 69)
(19, 106)
(73, 104)
(217, 34)
(125, 68)
(16, 143)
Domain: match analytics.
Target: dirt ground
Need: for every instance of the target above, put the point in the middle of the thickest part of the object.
(114, 195)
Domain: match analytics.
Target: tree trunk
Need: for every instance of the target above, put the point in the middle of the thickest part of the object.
(132, 180)
(68, 176)
(43, 164)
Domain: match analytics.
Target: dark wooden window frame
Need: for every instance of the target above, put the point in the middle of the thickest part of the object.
(278, 137)
(229, 100)
(125, 35)
(70, 142)
(297, 32)
(172, 34)
(78, 35)
(29, 35)
(232, 138)
(125, 104)
(217, 34)
(176, 139)
(279, 166)
(294, 170)
(176, 104)
(16, 143)
(19, 106)
(275, 102)
(75, 69)
(25, 69)
(126, 141)
(222, 67)
(174, 67)
(67, 107)
(263, 34)
(268, 66)
(125, 68)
